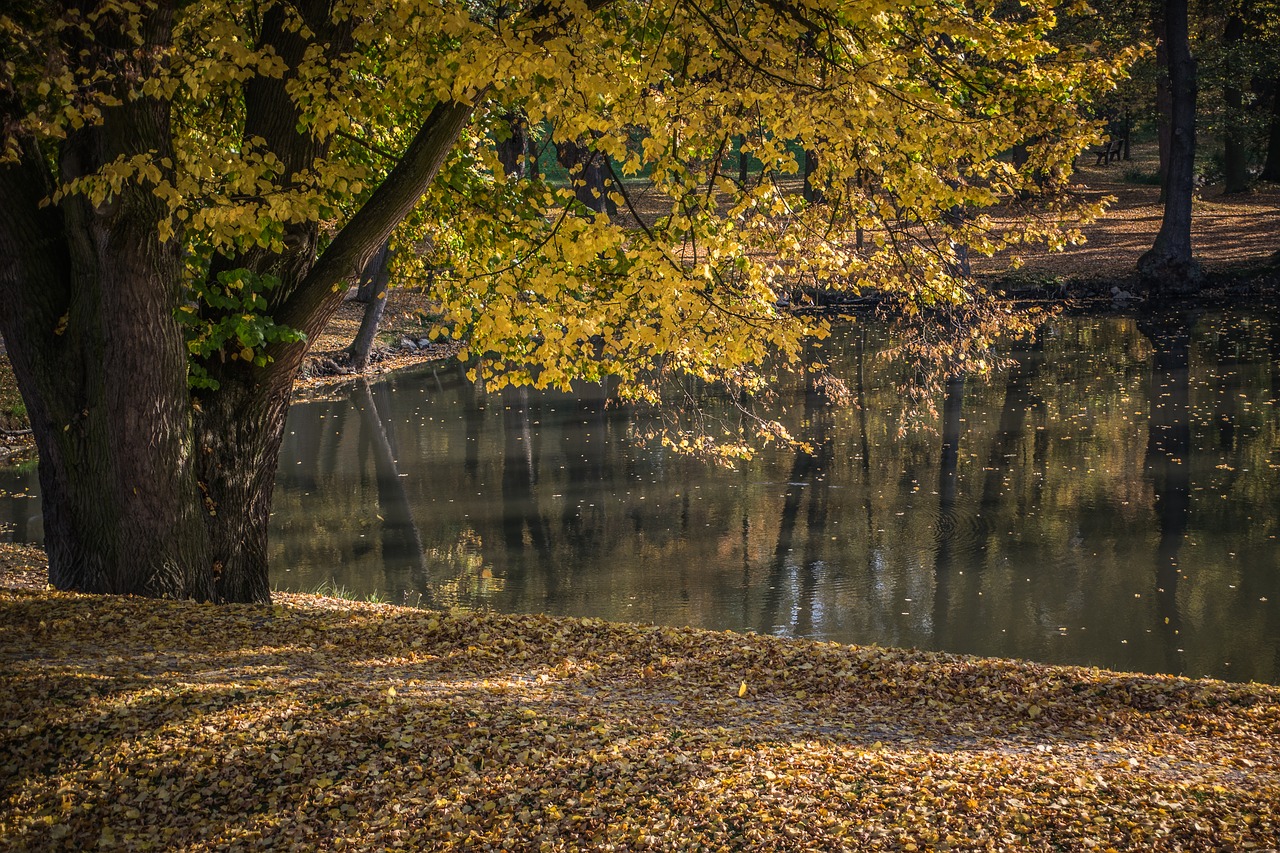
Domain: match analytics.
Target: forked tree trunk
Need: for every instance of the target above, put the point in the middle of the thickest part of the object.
(149, 489)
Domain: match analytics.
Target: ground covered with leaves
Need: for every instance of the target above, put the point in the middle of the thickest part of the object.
(319, 723)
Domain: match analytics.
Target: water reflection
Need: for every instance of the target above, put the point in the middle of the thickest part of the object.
(1168, 463)
(1110, 498)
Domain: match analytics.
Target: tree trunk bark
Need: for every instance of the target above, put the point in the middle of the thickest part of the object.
(812, 192)
(587, 172)
(107, 399)
(379, 273)
(238, 430)
(1164, 97)
(1235, 153)
(1168, 269)
(1271, 169)
(513, 152)
(87, 308)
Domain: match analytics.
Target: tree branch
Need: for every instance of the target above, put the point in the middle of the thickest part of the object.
(319, 293)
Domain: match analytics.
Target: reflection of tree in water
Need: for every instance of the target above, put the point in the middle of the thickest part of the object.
(1062, 463)
(948, 487)
(808, 477)
(473, 408)
(520, 513)
(1019, 398)
(1168, 461)
(401, 544)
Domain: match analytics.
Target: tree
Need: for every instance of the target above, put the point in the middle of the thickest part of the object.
(1271, 165)
(1235, 154)
(191, 187)
(373, 285)
(1168, 267)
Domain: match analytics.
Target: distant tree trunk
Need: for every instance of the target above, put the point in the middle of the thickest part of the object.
(955, 218)
(514, 151)
(1168, 268)
(1235, 155)
(587, 171)
(1271, 169)
(378, 274)
(812, 192)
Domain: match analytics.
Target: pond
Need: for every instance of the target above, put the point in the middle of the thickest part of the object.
(1109, 497)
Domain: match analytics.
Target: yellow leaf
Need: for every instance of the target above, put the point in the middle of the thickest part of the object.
(742, 690)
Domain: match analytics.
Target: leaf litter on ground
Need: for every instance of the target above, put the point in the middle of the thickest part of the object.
(316, 723)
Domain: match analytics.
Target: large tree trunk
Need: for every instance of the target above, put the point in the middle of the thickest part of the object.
(1168, 268)
(148, 491)
(1164, 99)
(87, 300)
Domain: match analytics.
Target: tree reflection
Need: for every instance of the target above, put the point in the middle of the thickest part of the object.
(948, 486)
(520, 513)
(401, 544)
(807, 478)
(1168, 460)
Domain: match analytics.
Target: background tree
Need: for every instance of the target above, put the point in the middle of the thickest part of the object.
(375, 280)
(190, 188)
(1168, 267)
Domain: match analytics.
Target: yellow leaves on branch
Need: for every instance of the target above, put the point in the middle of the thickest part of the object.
(911, 111)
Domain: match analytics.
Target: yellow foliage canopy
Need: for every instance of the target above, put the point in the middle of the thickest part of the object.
(913, 111)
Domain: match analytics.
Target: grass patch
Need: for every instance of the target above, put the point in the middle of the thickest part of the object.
(332, 589)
